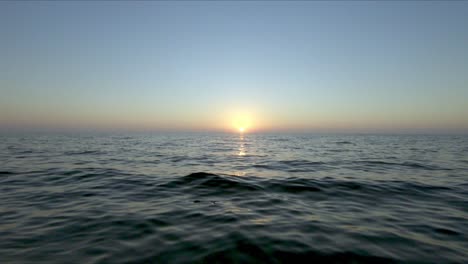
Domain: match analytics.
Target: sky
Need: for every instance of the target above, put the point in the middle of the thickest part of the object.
(384, 67)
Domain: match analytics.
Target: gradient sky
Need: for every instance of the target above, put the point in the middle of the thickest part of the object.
(271, 66)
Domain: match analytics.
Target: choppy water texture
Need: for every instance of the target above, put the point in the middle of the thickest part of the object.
(227, 198)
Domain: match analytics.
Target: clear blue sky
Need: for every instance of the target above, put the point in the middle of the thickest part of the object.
(275, 66)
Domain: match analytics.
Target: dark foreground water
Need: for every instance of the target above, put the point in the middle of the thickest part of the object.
(228, 198)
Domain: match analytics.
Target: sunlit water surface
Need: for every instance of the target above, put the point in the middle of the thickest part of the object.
(177, 198)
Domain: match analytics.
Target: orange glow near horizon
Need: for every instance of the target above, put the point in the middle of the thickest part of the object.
(235, 119)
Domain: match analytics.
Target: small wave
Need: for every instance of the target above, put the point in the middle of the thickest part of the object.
(154, 161)
(7, 173)
(446, 231)
(338, 150)
(294, 185)
(293, 166)
(89, 174)
(178, 159)
(340, 257)
(281, 139)
(168, 144)
(413, 165)
(301, 162)
(221, 149)
(200, 180)
(25, 152)
(86, 152)
(209, 183)
(240, 248)
(343, 143)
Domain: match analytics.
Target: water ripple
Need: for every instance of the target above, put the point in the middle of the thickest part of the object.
(195, 199)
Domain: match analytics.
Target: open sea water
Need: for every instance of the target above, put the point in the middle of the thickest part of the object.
(230, 198)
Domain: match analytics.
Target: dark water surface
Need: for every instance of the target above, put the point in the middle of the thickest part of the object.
(154, 198)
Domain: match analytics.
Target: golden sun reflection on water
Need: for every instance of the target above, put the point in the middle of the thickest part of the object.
(242, 149)
(241, 152)
(239, 173)
(262, 221)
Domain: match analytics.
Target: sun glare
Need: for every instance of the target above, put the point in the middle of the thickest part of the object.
(242, 122)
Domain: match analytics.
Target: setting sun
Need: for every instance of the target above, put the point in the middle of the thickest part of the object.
(241, 121)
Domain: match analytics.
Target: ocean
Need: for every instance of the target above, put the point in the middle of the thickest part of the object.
(232, 198)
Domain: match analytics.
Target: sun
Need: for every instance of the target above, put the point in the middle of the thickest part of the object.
(241, 121)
